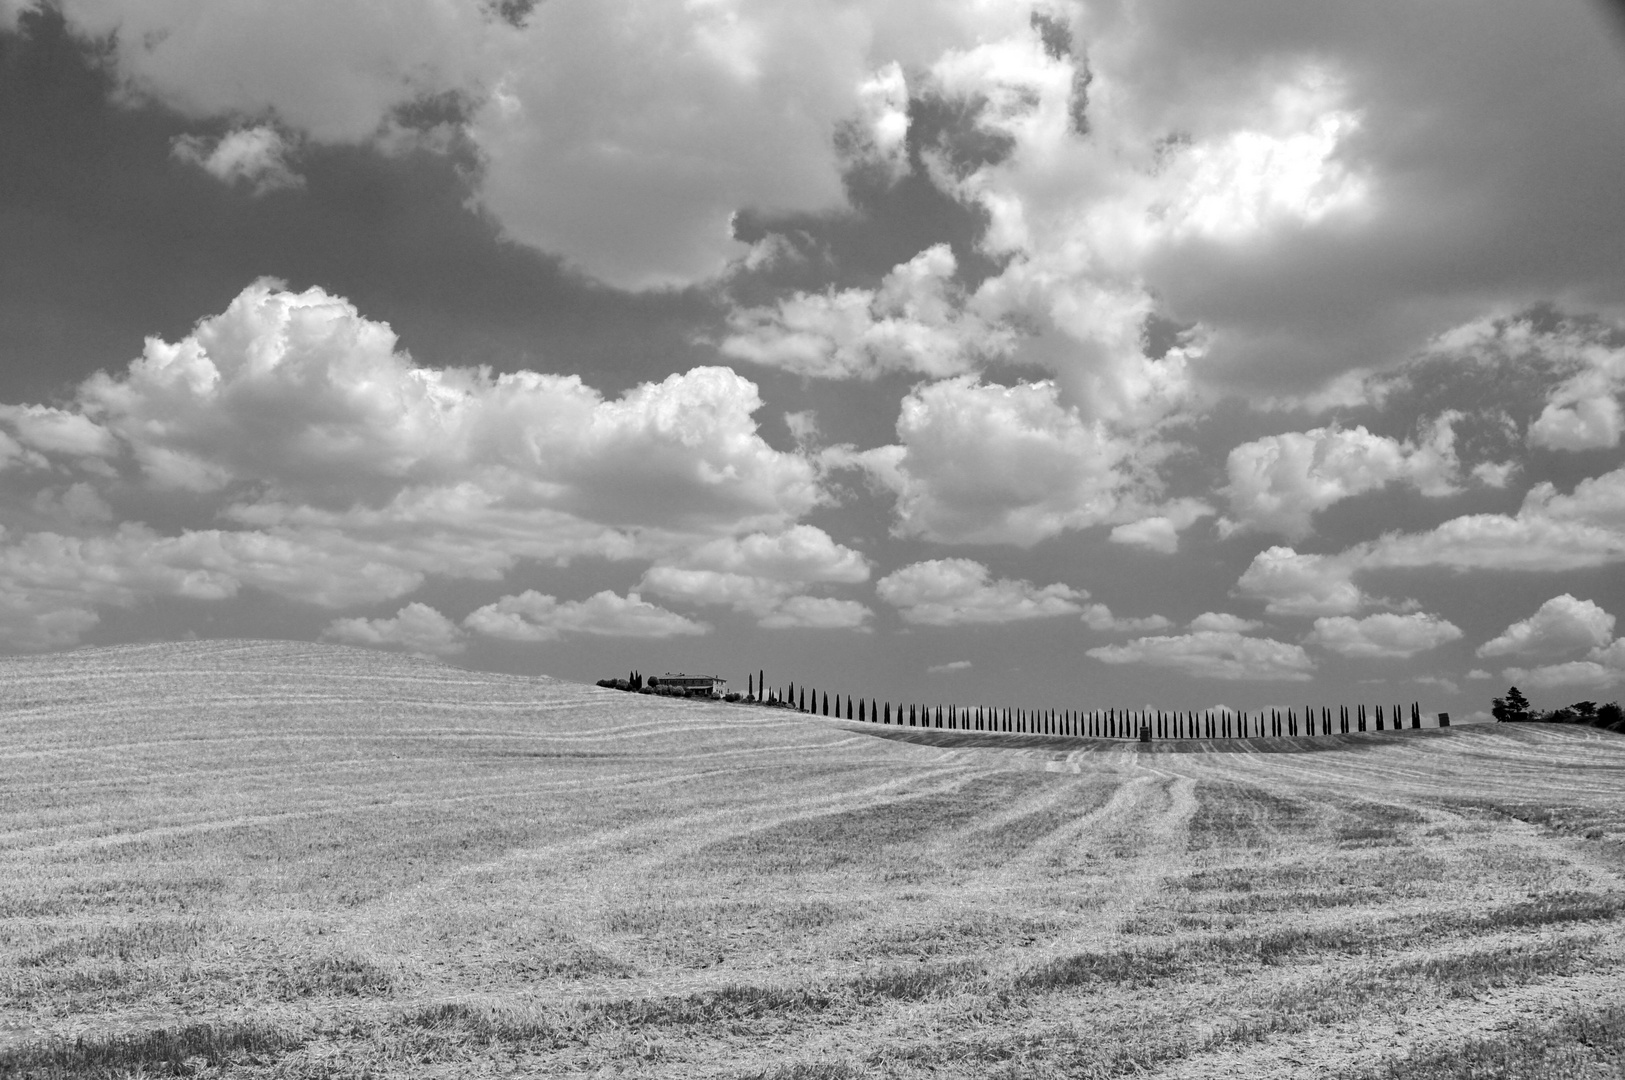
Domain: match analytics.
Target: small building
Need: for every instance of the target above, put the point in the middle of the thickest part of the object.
(692, 685)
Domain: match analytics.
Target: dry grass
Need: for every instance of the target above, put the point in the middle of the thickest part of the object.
(294, 861)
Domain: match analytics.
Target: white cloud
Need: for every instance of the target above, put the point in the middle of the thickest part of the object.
(75, 505)
(1562, 625)
(302, 392)
(534, 616)
(257, 156)
(417, 628)
(1099, 617)
(1583, 411)
(1583, 414)
(802, 553)
(1384, 635)
(1214, 654)
(913, 322)
(620, 135)
(1479, 673)
(1160, 532)
(879, 136)
(625, 136)
(1279, 482)
(58, 431)
(997, 464)
(760, 574)
(818, 613)
(1287, 170)
(1575, 673)
(950, 666)
(1219, 620)
(961, 592)
(1550, 532)
(347, 473)
(1294, 584)
(1495, 474)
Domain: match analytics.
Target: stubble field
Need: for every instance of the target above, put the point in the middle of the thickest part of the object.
(292, 860)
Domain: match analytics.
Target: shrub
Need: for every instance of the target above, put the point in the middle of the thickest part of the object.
(732, 695)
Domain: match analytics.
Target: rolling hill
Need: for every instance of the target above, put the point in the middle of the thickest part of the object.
(296, 860)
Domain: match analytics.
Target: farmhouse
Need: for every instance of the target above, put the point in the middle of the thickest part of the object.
(693, 685)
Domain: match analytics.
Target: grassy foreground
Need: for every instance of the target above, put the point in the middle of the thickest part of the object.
(289, 860)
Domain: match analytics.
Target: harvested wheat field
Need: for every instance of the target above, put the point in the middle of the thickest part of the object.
(292, 860)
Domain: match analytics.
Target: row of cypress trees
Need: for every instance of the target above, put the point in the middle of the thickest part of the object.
(1101, 723)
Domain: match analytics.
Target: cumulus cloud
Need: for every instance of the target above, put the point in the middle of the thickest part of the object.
(1550, 532)
(1580, 360)
(1221, 620)
(952, 665)
(1279, 482)
(1294, 584)
(1160, 532)
(531, 616)
(818, 613)
(58, 431)
(625, 136)
(1449, 686)
(622, 136)
(255, 156)
(1161, 154)
(1589, 674)
(762, 573)
(1214, 654)
(914, 321)
(878, 136)
(1563, 625)
(301, 392)
(1384, 635)
(1100, 618)
(961, 592)
(344, 473)
(978, 463)
(1582, 414)
(417, 628)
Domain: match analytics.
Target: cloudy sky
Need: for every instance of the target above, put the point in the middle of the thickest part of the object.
(1068, 354)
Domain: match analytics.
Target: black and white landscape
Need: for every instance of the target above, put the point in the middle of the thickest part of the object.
(1036, 376)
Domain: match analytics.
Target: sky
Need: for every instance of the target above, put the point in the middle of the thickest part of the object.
(1109, 353)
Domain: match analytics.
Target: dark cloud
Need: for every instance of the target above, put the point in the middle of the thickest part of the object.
(105, 238)
(1493, 137)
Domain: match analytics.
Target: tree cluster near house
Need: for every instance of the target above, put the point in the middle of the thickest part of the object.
(672, 684)
(1514, 708)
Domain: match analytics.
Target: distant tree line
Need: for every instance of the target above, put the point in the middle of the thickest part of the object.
(1145, 725)
(1514, 708)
